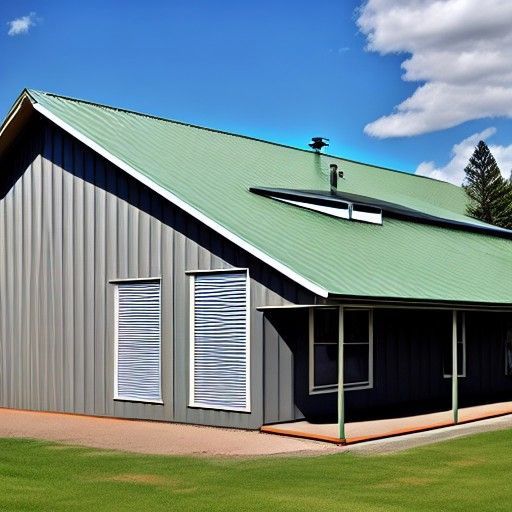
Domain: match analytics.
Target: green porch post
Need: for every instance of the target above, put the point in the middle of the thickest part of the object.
(341, 390)
(455, 370)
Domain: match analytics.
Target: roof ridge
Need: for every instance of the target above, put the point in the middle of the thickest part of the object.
(232, 134)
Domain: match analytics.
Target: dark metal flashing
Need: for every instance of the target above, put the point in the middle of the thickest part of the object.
(407, 302)
(341, 200)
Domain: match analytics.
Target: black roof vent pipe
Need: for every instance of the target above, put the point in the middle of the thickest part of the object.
(334, 178)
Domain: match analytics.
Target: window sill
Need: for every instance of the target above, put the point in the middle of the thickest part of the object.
(246, 410)
(138, 400)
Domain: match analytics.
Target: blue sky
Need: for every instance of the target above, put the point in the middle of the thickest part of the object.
(282, 71)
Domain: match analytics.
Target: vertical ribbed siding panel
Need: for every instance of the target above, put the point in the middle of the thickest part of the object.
(138, 341)
(68, 280)
(164, 266)
(11, 283)
(123, 248)
(89, 270)
(144, 235)
(77, 296)
(111, 249)
(45, 269)
(122, 226)
(132, 215)
(56, 241)
(220, 355)
(4, 376)
(100, 287)
(9, 263)
(286, 345)
(17, 283)
(271, 355)
(23, 263)
(35, 277)
(181, 334)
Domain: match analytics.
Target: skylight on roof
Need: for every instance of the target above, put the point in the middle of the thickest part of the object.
(328, 205)
(341, 211)
(350, 206)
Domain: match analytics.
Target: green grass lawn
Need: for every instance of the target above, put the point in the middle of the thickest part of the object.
(473, 473)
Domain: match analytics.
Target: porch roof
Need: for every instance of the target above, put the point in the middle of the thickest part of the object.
(209, 173)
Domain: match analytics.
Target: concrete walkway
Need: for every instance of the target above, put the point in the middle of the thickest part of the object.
(370, 430)
(151, 437)
(406, 442)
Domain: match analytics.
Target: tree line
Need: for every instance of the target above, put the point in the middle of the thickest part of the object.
(489, 193)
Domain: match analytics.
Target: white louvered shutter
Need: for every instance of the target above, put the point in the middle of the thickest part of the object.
(220, 370)
(138, 341)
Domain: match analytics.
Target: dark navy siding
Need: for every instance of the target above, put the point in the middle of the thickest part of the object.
(408, 372)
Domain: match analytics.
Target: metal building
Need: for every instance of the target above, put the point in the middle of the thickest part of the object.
(153, 269)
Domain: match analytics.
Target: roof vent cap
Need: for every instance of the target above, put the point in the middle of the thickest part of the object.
(317, 143)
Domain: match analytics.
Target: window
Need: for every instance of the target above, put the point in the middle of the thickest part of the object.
(460, 333)
(324, 324)
(326, 203)
(219, 353)
(357, 349)
(137, 353)
(340, 209)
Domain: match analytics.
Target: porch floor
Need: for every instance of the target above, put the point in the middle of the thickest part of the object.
(360, 431)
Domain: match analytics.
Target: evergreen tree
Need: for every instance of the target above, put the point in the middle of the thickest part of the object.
(490, 194)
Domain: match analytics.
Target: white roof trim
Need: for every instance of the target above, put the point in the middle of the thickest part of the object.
(318, 290)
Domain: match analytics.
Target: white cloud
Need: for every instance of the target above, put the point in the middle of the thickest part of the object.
(21, 25)
(453, 171)
(461, 49)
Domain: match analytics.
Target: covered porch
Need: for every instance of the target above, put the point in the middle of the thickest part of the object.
(353, 372)
(360, 431)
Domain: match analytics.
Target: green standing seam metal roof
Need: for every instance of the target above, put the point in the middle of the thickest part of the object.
(212, 171)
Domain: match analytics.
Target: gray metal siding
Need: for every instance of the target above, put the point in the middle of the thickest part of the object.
(285, 340)
(69, 223)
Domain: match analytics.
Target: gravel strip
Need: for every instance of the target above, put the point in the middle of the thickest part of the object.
(150, 437)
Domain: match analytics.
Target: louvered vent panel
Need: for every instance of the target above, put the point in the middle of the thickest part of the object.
(220, 355)
(138, 341)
